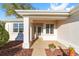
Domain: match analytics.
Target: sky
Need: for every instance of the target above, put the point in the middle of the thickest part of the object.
(40, 6)
(45, 6)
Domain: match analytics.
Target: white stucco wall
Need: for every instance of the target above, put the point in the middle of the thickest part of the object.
(68, 31)
(9, 28)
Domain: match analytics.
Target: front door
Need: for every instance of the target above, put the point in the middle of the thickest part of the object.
(37, 31)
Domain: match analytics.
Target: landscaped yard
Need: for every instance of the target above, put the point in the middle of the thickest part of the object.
(14, 48)
(39, 48)
(58, 52)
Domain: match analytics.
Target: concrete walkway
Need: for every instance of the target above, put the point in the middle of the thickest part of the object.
(39, 48)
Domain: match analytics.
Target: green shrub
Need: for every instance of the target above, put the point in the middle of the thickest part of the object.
(4, 36)
(52, 46)
(71, 48)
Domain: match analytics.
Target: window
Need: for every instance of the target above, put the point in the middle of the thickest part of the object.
(18, 27)
(15, 27)
(49, 28)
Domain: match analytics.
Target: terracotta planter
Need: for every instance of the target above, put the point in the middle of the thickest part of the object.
(71, 52)
(52, 49)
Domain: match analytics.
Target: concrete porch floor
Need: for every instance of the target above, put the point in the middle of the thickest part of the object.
(40, 45)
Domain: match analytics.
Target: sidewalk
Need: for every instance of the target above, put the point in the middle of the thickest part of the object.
(39, 48)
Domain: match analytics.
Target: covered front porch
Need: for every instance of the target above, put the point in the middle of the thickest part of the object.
(40, 24)
(45, 29)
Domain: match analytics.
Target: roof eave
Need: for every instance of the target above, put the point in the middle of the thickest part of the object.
(40, 12)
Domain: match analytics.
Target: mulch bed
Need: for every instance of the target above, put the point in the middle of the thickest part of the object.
(11, 44)
(57, 52)
(14, 48)
(24, 52)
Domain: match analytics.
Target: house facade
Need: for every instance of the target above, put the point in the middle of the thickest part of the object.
(14, 27)
(47, 25)
(41, 24)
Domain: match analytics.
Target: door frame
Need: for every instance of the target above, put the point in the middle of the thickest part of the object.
(35, 33)
(37, 30)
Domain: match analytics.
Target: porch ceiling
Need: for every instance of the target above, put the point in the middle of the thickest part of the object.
(48, 18)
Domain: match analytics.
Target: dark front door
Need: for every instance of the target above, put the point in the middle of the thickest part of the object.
(39, 30)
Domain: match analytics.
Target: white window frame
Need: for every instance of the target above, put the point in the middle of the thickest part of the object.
(49, 32)
(18, 26)
(14, 27)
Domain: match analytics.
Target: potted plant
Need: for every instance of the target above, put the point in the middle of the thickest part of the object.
(52, 47)
(71, 51)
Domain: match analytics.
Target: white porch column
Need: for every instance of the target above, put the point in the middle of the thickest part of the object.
(30, 32)
(26, 43)
(44, 29)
